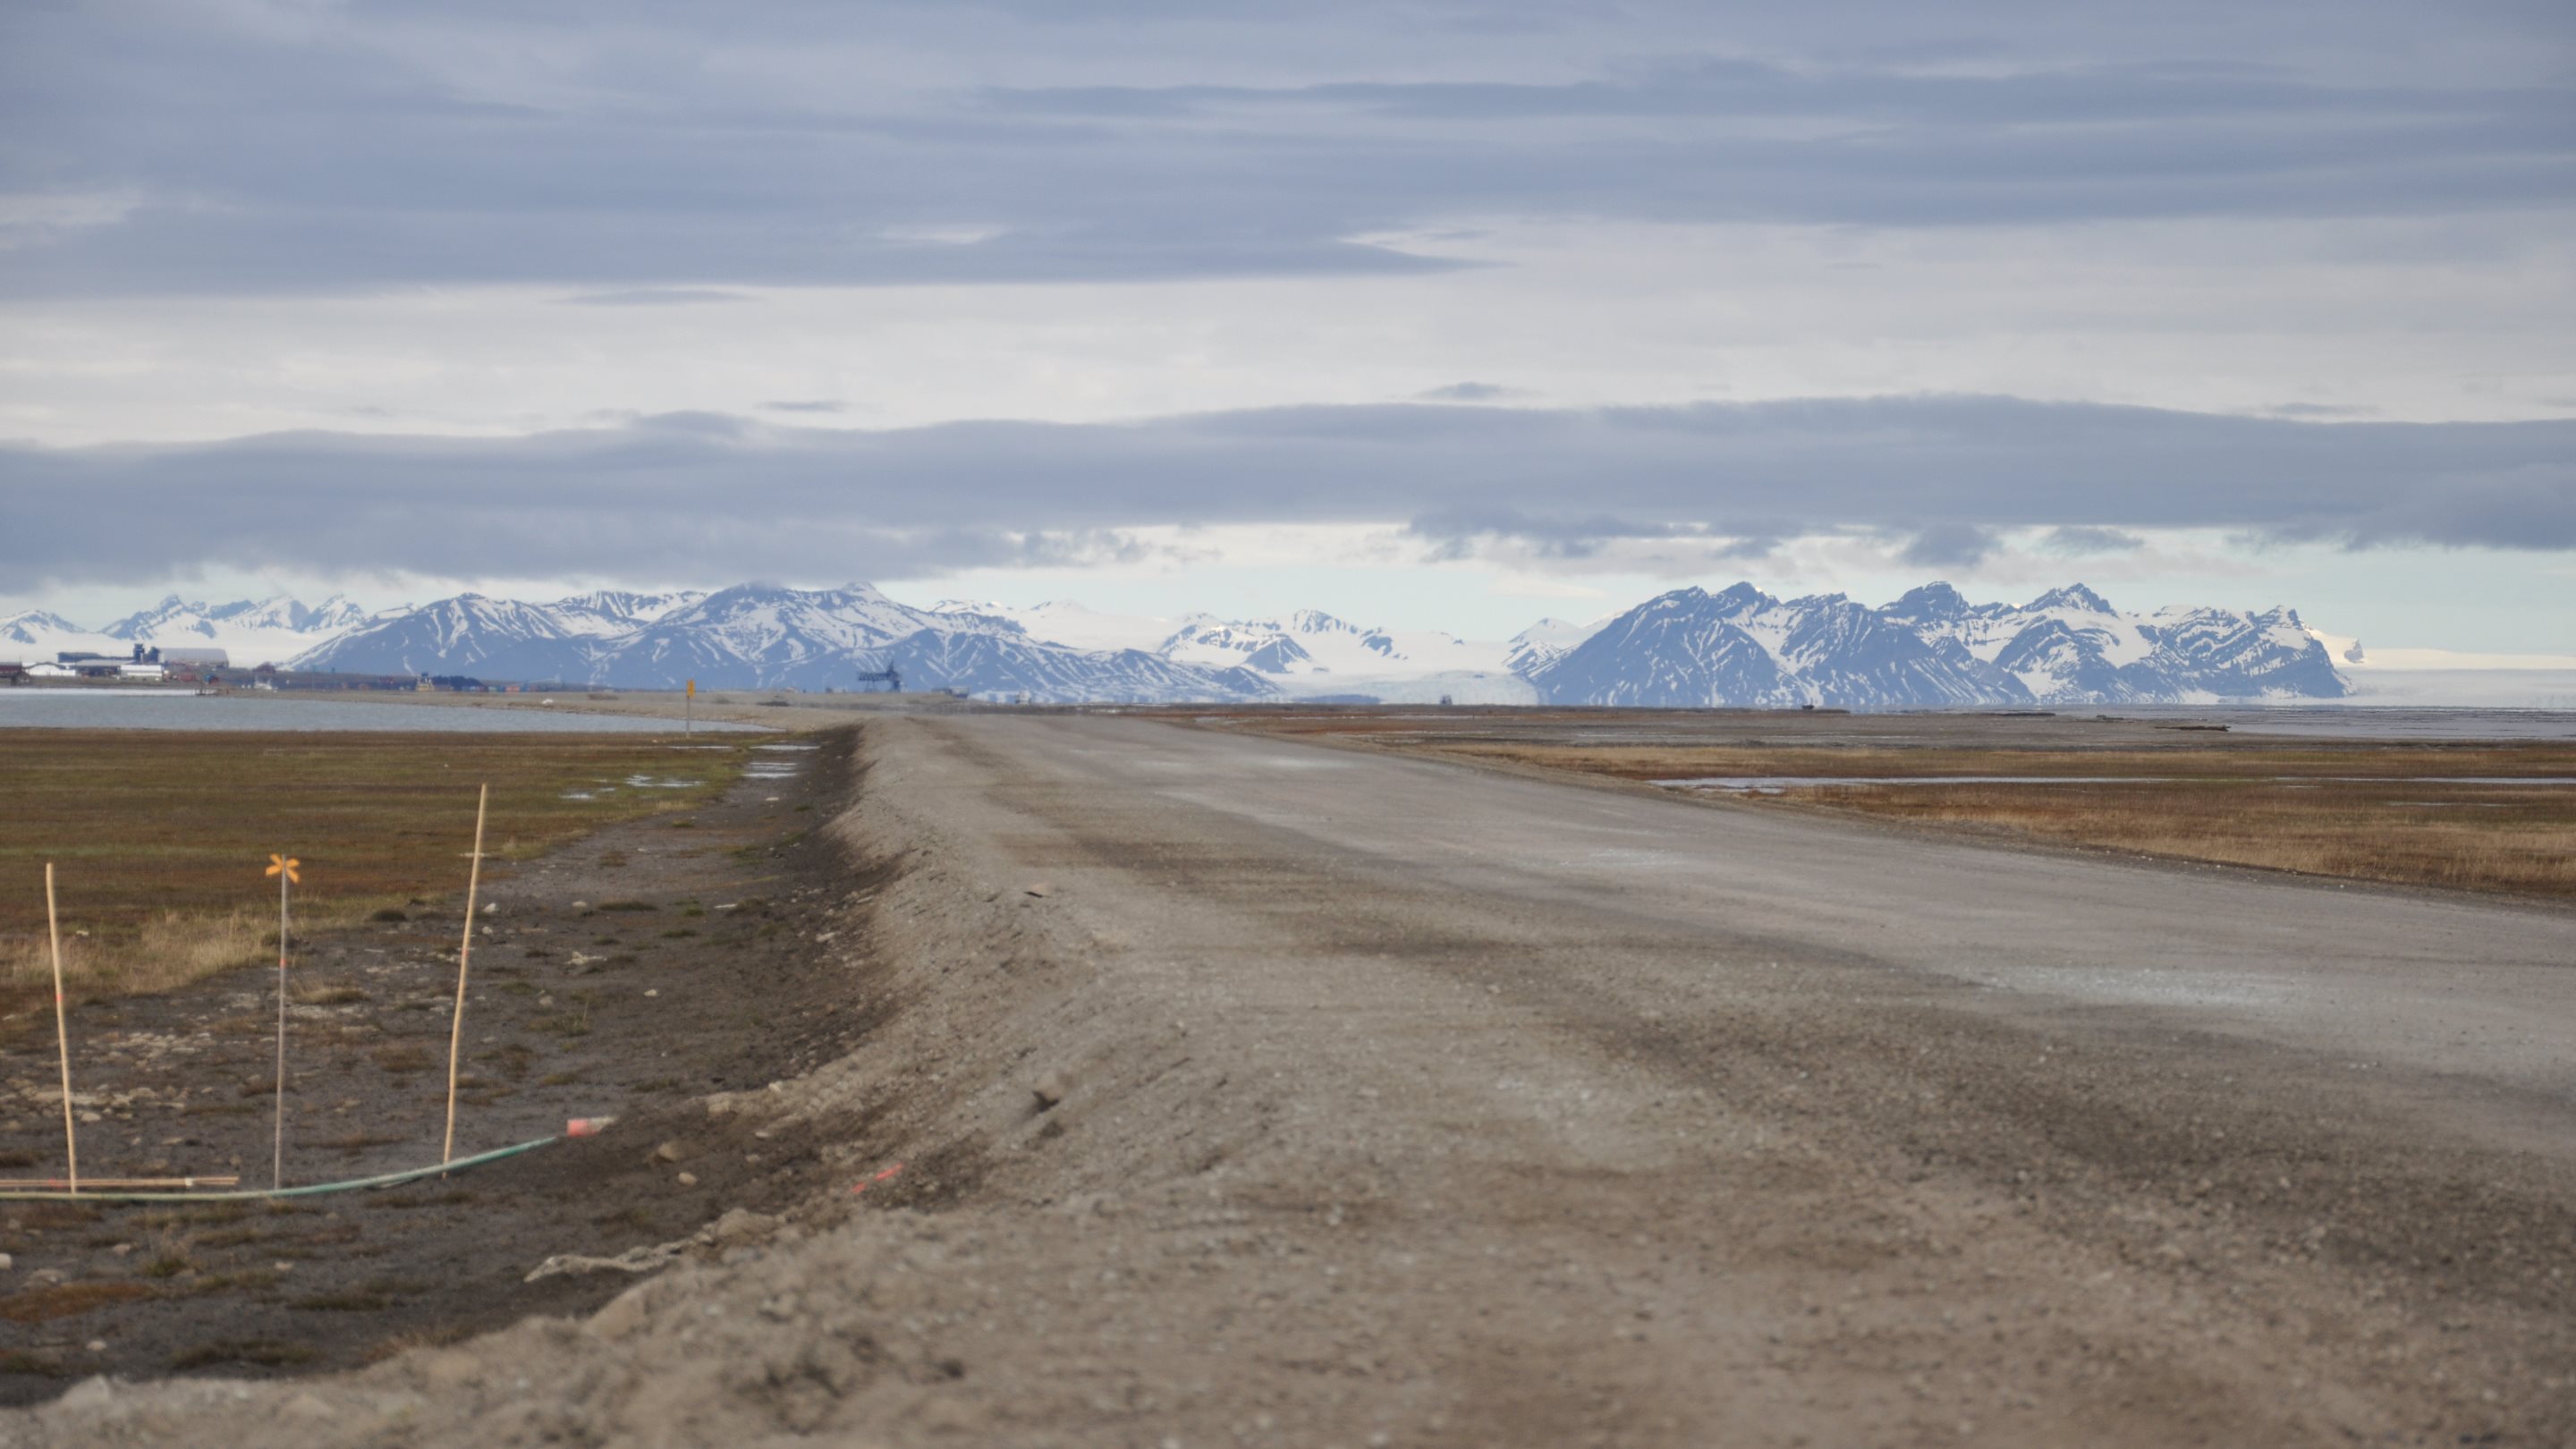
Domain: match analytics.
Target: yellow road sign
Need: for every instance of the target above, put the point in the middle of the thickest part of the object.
(285, 864)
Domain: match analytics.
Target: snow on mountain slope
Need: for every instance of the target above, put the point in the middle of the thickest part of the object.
(1062, 621)
(606, 613)
(760, 636)
(1305, 653)
(1545, 642)
(250, 631)
(1002, 666)
(1311, 642)
(763, 635)
(1681, 649)
(468, 634)
(33, 635)
(1932, 648)
(2272, 650)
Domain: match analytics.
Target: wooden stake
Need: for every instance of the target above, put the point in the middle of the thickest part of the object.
(62, 1031)
(277, 1147)
(464, 953)
(119, 1184)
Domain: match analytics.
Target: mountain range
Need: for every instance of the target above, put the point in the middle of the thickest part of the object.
(1685, 648)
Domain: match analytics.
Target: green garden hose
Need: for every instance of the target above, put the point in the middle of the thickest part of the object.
(389, 1179)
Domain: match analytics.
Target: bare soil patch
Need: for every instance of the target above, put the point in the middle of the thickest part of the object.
(704, 981)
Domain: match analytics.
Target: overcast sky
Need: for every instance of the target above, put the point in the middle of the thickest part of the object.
(1440, 314)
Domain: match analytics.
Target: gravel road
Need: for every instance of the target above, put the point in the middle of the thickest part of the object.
(1255, 1093)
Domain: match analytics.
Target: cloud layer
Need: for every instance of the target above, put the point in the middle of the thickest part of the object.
(699, 495)
(652, 152)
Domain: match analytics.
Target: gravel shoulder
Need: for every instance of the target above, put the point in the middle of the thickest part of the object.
(1249, 1093)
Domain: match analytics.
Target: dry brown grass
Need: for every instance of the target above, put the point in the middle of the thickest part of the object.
(2353, 810)
(65, 1300)
(166, 951)
(2484, 838)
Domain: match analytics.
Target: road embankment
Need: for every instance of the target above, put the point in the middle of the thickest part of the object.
(1249, 1093)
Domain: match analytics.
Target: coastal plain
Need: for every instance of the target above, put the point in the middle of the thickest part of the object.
(1191, 1083)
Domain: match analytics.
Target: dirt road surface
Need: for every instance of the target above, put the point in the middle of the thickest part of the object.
(1253, 1093)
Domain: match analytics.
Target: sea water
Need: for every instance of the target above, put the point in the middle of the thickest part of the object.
(29, 707)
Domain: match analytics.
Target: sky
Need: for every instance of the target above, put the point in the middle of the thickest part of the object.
(1429, 314)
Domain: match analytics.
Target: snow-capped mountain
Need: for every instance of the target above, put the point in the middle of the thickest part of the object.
(1311, 642)
(1545, 642)
(1304, 654)
(1932, 648)
(613, 611)
(250, 631)
(174, 620)
(1011, 665)
(37, 633)
(1062, 621)
(1740, 646)
(468, 634)
(760, 636)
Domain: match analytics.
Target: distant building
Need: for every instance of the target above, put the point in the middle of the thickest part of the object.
(201, 658)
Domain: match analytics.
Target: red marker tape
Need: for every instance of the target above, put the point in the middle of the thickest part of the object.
(873, 1181)
(586, 1126)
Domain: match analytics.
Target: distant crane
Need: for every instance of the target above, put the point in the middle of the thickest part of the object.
(890, 677)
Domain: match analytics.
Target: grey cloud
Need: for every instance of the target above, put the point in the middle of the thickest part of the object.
(656, 297)
(2321, 411)
(810, 405)
(1950, 545)
(381, 149)
(690, 495)
(2081, 540)
(1470, 392)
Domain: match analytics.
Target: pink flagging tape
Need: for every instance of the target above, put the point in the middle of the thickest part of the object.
(873, 1181)
(587, 1126)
